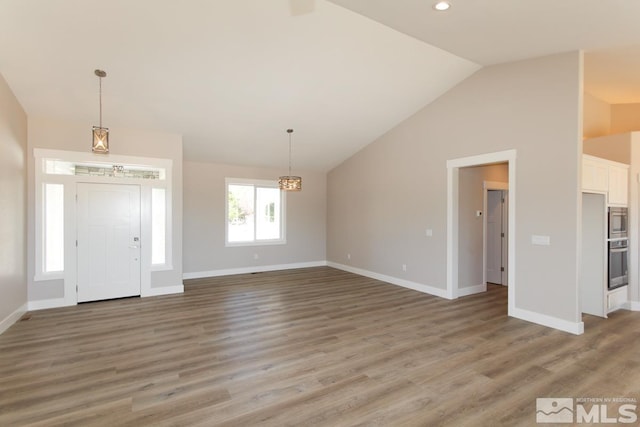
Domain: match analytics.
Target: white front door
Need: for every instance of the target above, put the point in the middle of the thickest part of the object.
(108, 241)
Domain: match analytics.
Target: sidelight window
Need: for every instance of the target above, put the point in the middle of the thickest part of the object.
(158, 226)
(53, 228)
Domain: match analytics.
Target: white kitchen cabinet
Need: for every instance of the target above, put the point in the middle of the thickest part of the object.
(604, 176)
(604, 183)
(618, 185)
(616, 299)
(595, 175)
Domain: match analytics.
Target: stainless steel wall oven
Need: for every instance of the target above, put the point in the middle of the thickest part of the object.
(618, 263)
(618, 222)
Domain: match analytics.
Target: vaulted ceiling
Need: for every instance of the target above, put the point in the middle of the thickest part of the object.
(232, 75)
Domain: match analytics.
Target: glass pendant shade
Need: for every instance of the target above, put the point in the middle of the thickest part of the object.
(100, 142)
(290, 183)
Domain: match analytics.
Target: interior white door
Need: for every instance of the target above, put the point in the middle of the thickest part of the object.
(108, 241)
(494, 236)
(505, 237)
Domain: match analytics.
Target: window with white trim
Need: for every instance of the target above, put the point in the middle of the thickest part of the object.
(255, 212)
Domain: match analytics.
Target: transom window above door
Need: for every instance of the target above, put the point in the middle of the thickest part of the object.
(63, 167)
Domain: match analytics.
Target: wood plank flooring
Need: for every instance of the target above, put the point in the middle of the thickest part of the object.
(313, 346)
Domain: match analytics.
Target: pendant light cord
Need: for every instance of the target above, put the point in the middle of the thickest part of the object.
(290, 151)
(100, 80)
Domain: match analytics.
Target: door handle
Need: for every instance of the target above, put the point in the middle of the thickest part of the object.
(134, 247)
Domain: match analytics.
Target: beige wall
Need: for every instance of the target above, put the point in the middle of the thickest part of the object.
(601, 119)
(13, 187)
(470, 234)
(625, 118)
(611, 147)
(74, 136)
(204, 221)
(381, 200)
(597, 117)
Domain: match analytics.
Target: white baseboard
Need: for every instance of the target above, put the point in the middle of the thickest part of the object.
(442, 293)
(632, 305)
(43, 304)
(163, 290)
(60, 302)
(576, 328)
(254, 269)
(13, 318)
(470, 290)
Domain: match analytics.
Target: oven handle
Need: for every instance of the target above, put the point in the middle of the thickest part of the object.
(619, 250)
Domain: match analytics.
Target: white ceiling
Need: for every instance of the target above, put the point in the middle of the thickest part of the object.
(494, 31)
(232, 75)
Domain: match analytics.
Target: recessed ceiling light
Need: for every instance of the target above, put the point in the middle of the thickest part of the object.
(441, 6)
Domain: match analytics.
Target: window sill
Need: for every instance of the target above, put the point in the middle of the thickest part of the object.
(48, 276)
(258, 243)
(161, 267)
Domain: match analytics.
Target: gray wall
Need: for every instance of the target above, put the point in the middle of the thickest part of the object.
(204, 220)
(56, 134)
(13, 205)
(470, 234)
(381, 200)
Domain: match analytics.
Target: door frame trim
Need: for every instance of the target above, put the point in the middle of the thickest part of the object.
(453, 167)
(69, 276)
(488, 186)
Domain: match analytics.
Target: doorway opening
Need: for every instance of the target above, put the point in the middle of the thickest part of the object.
(456, 252)
(60, 177)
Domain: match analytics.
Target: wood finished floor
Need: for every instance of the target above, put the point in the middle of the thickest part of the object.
(304, 347)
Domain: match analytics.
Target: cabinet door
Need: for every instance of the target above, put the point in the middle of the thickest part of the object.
(595, 175)
(618, 185)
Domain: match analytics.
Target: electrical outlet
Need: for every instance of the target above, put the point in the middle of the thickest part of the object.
(429, 232)
(540, 240)
(256, 256)
(348, 256)
(404, 267)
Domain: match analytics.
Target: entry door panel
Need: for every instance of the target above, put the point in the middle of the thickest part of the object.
(108, 241)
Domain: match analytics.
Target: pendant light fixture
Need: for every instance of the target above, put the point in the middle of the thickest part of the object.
(100, 143)
(290, 183)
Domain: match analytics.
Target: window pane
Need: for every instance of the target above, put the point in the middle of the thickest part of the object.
(241, 217)
(158, 225)
(267, 213)
(53, 228)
